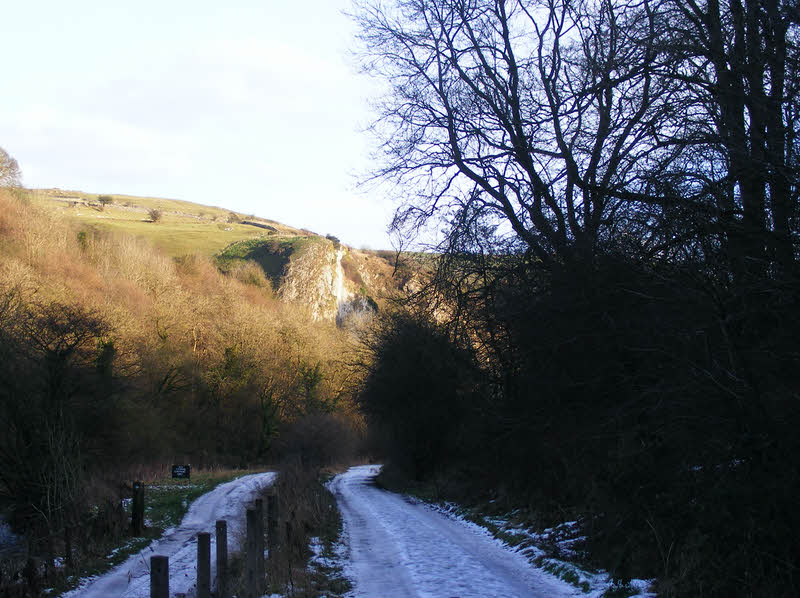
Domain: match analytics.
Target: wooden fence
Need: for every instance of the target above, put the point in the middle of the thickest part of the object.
(254, 572)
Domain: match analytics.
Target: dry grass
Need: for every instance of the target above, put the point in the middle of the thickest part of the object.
(207, 366)
(184, 228)
(307, 510)
(163, 312)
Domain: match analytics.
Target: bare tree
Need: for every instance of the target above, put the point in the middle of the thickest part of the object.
(9, 170)
(738, 62)
(530, 116)
(564, 125)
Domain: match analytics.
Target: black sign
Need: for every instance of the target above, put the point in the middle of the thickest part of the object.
(181, 471)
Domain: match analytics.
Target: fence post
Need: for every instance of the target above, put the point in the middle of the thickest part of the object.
(250, 566)
(159, 577)
(137, 513)
(203, 565)
(222, 559)
(260, 570)
(272, 523)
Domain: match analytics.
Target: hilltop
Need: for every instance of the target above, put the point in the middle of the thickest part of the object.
(334, 281)
(184, 228)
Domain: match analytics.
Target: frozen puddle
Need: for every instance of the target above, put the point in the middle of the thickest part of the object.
(131, 579)
(403, 549)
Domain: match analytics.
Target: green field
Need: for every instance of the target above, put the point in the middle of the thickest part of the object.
(184, 228)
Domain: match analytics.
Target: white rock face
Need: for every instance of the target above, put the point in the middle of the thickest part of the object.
(315, 277)
(342, 294)
(310, 279)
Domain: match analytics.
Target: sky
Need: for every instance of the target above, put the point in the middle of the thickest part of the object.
(256, 106)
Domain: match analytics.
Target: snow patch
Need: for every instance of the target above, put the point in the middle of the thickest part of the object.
(131, 579)
(401, 548)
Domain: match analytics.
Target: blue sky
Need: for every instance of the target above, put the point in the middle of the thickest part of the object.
(255, 106)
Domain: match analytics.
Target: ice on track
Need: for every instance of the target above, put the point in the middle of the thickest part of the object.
(131, 579)
(401, 548)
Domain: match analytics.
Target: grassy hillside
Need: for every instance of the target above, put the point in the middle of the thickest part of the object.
(114, 354)
(237, 242)
(184, 228)
(272, 254)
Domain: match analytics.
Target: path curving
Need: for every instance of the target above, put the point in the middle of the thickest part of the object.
(131, 579)
(401, 548)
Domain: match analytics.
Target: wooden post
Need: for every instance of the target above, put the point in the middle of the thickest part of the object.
(260, 570)
(137, 513)
(222, 559)
(250, 567)
(203, 565)
(272, 523)
(159, 577)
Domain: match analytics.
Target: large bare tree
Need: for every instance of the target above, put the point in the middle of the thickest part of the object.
(566, 125)
(738, 63)
(531, 115)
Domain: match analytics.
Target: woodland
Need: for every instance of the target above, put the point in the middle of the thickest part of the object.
(611, 333)
(117, 361)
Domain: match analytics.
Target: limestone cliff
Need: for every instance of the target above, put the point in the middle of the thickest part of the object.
(335, 282)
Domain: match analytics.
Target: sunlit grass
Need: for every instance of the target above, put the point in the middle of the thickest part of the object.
(185, 228)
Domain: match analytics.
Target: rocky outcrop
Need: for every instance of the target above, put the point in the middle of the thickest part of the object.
(335, 282)
(312, 278)
(316, 276)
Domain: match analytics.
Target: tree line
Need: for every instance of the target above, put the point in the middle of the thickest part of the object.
(115, 358)
(611, 330)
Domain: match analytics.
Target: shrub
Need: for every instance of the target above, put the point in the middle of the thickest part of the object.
(104, 200)
(83, 240)
(250, 273)
(319, 440)
(419, 389)
(154, 214)
(9, 170)
(351, 270)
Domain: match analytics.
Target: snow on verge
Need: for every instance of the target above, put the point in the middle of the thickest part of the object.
(529, 543)
(402, 548)
(131, 579)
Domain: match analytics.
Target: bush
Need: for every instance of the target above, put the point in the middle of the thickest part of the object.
(104, 200)
(652, 404)
(351, 270)
(250, 273)
(418, 393)
(154, 214)
(83, 240)
(9, 171)
(319, 440)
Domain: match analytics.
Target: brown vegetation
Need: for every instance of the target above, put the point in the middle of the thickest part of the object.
(113, 353)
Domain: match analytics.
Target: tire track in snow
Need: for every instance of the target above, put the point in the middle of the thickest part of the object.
(131, 579)
(402, 549)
